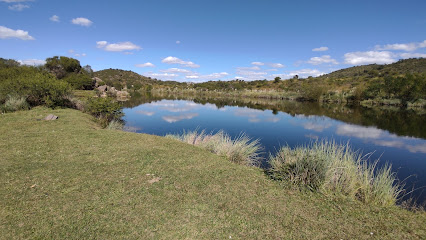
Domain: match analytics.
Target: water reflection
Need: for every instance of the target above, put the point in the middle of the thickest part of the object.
(172, 119)
(381, 138)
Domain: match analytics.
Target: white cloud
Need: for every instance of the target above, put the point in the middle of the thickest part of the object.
(117, 47)
(359, 58)
(82, 21)
(32, 62)
(322, 59)
(258, 63)
(320, 49)
(247, 73)
(72, 52)
(403, 46)
(413, 55)
(175, 60)
(15, 1)
(147, 64)
(177, 42)
(175, 70)
(54, 18)
(18, 7)
(215, 75)
(276, 65)
(207, 77)
(162, 76)
(255, 68)
(10, 33)
(301, 73)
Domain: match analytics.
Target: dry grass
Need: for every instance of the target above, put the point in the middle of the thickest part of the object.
(242, 149)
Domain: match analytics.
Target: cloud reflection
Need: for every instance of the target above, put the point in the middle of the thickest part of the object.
(255, 116)
(358, 131)
(380, 138)
(185, 116)
(316, 126)
(145, 113)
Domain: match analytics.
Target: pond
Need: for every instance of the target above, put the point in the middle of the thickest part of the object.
(394, 136)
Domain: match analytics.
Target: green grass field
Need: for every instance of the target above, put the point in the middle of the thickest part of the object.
(69, 179)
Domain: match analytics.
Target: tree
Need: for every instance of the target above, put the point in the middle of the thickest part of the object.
(61, 66)
(277, 79)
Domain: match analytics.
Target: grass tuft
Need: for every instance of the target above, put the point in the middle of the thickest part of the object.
(115, 125)
(332, 168)
(242, 150)
(15, 103)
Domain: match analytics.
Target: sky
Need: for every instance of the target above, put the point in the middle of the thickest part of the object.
(201, 40)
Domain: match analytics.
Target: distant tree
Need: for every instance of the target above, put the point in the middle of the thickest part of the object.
(89, 70)
(5, 63)
(61, 66)
(277, 79)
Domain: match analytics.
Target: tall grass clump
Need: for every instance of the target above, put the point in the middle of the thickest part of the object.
(15, 103)
(335, 169)
(115, 125)
(242, 149)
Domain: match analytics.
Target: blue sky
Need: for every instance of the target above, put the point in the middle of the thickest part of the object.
(211, 40)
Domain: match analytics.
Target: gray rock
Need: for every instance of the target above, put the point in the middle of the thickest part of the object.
(50, 117)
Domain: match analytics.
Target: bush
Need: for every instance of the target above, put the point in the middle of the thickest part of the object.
(37, 86)
(15, 103)
(331, 168)
(312, 91)
(104, 109)
(80, 81)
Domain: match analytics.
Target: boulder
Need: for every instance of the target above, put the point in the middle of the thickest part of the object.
(50, 117)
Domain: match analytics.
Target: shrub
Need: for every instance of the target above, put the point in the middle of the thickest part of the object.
(312, 91)
(239, 150)
(332, 168)
(37, 86)
(80, 81)
(104, 109)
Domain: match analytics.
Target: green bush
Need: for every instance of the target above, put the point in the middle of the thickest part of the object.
(312, 91)
(37, 86)
(79, 81)
(104, 109)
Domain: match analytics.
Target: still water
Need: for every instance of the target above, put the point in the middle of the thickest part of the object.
(393, 136)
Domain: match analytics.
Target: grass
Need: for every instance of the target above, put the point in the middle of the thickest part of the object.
(14, 103)
(69, 179)
(332, 168)
(240, 150)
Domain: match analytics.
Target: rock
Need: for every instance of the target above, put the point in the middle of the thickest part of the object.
(103, 88)
(50, 117)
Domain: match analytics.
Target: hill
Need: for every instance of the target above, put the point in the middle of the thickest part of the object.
(124, 79)
(404, 66)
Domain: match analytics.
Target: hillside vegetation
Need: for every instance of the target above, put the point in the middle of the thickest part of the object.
(124, 79)
(68, 179)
